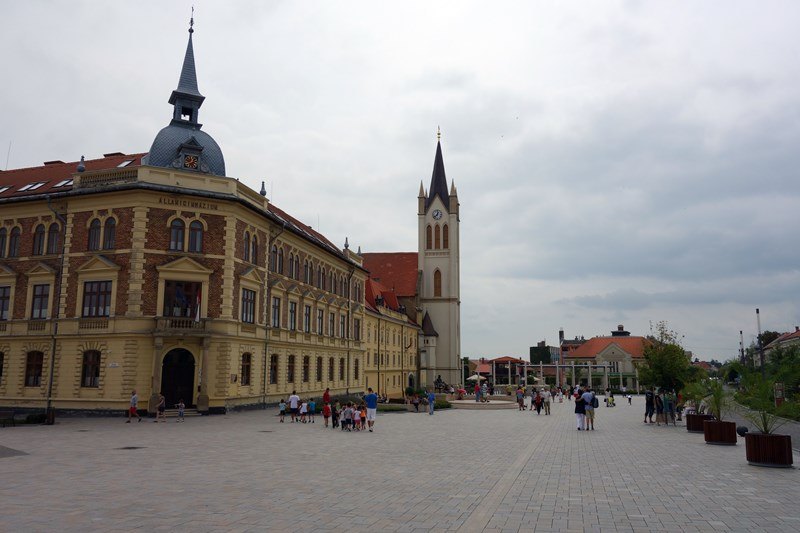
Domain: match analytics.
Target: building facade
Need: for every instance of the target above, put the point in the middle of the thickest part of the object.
(158, 273)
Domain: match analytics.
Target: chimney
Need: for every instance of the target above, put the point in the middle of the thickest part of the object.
(560, 336)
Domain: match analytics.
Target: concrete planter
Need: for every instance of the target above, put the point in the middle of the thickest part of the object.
(768, 450)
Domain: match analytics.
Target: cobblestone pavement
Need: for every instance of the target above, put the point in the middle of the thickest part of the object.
(459, 470)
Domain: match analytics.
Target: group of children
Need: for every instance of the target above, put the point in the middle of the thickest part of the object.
(350, 416)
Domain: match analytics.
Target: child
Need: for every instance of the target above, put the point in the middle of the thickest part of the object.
(356, 418)
(343, 417)
(303, 411)
(335, 415)
(363, 416)
(326, 413)
(181, 409)
(282, 408)
(312, 407)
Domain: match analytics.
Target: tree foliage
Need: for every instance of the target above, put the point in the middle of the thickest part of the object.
(665, 362)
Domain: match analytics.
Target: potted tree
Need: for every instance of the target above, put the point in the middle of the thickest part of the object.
(693, 394)
(764, 447)
(717, 430)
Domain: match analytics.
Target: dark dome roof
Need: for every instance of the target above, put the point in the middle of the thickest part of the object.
(166, 148)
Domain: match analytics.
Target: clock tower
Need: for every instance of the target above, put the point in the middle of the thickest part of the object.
(439, 284)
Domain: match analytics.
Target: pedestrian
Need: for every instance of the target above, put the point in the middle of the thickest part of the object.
(282, 410)
(537, 402)
(356, 418)
(649, 405)
(415, 402)
(590, 401)
(660, 407)
(580, 412)
(486, 391)
(161, 410)
(326, 413)
(303, 411)
(371, 400)
(547, 396)
(326, 396)
(521, 399)
(431, 401)
(629, 398)
(669, 407)
(181, 410)
(363, 409)
(294, 404)
(312, 409)
(335, 410)
(477, 391)
(134, 407)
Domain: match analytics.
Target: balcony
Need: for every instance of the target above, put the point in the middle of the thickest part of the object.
(174, 326)
(85, 324)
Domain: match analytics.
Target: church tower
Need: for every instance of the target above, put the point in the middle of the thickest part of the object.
(439, 267)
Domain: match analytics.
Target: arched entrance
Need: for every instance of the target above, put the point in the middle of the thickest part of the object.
(411, 380)
(177, 377)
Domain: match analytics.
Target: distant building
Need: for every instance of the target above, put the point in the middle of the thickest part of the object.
(784, 341)
(613, 359)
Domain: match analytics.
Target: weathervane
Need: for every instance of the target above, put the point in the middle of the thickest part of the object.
(438, 133)
(191, 21)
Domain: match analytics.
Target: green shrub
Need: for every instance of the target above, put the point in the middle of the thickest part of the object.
(35, 418)
(390, 407)
(442, 404)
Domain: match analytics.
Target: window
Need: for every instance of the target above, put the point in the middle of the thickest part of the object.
(297, 267)
(291, 265)
(254, 250)
(125, 163)
(437, 237)
(428, 239)
(342, 326)
(31, 186)
(332, 324)
(437, 283)
(290, 369)
(90, 373)
(13, 243)
(5, 299)
(330, 369)
(355, 370)
(41, 295)
(273, 258)
(246, 361)
(182, 298)
(334, 288)
(307, 319)
(110, 234)
(96, 298)
(306, 368)
(176, 231)
(53, 238)
(3, 239)
(2, 360)
(94, 235)
(341, 369)
(273, 369)
(319, 368)
(276, 312)
(63, 183)
(320, 277)
(196, 236)
(280, 261)
(248, 306)
(320, 321)
(292, 316)
(33, 369)
(357, 329)
(305, 271)
(247, 246)
(445, 237)
(38, 240)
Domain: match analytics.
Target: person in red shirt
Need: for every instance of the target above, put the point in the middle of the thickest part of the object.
(326, 412)
(326, 396)
(477, 392)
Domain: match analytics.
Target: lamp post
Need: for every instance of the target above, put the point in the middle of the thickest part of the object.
(760, 343)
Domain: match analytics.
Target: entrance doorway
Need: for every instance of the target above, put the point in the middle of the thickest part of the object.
(411, 380)
(177, 377)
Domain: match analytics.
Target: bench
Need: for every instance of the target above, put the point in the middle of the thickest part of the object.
(7, 417)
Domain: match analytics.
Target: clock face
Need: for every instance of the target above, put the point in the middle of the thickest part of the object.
(190, 161)
(437, 214)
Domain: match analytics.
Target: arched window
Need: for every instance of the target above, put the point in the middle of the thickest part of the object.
(3, 239)
(291, 265)
(290, 369)
(94, 235)
(246, 362)
(33, 369)
(437, 283)
(13, 243)
(297, 267)
(90, 373)
(273, 258)
(319, 368)
(247, 246)
(437, 241)
(330, 369)
(334, 286)
(320, 278)
(341, 369)
(196, 236)
(53, 238)
(280, 261)
(445, 237)
(355, 370)
(273, 368)
(428, 237)
(306, 368)
(254, 249)
(110, 234)
(38, 240)
(176, 231)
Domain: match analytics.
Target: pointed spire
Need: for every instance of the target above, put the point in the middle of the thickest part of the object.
(359, 249)
(438, 178)
(346, 244)
(453, 188)
(81, 165)
(263, 191)
(421, 190)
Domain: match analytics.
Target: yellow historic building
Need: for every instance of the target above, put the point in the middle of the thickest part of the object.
(157, 273)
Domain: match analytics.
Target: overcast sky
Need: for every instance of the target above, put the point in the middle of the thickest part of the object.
(616, 162)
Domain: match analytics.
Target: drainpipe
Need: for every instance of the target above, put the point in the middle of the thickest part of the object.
(267, 316)
(348, 329)
(49, 410)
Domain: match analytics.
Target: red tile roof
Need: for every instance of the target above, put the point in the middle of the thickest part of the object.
(54, 172)
(302, 227)
(792, 335)
(595, 345)
(374, 289)
(397, 270)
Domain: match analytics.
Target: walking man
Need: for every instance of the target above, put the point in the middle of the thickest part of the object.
(294, 401)
(591, 402)
(547, 397)
(649, 405)
(431, 401)
(371, 399)
(133, 409)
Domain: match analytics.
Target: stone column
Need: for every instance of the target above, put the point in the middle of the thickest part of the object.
(509, 372)
(203, 378)
(605, 376)
(573, 375)
(589, 374)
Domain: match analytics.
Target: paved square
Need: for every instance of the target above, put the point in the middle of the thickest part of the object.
(458, 470)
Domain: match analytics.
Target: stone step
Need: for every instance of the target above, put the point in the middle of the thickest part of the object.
(173, 413)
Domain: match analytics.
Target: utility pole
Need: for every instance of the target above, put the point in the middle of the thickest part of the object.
(760, 343)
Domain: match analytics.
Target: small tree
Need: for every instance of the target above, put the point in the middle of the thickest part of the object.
(665, 363)
(718, 403)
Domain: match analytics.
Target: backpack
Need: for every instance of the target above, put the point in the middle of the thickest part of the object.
(595, 401)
